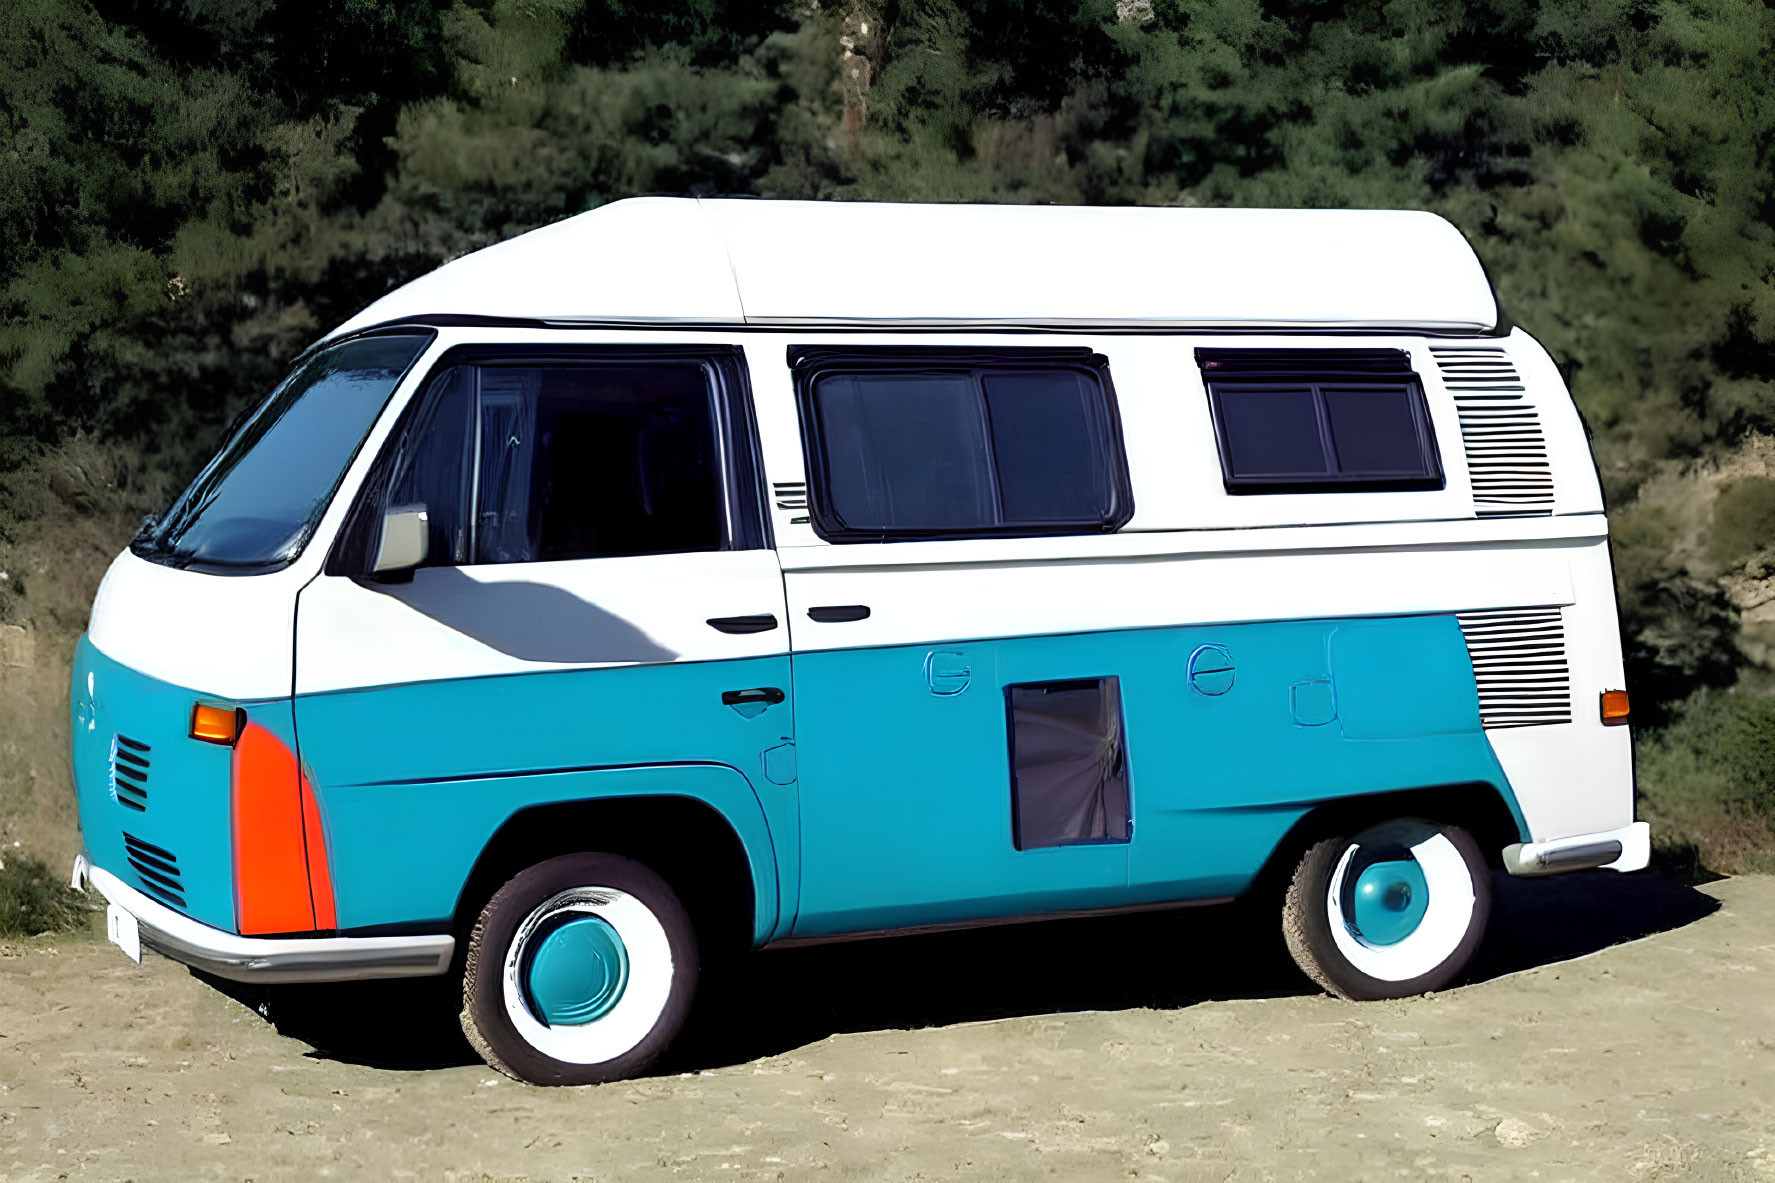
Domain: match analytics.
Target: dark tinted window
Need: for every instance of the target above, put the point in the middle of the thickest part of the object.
(1045, 441)
(253, 507)
(582, 462)
(915, 443)
(1272, 432)
(535, 463)
(1305, 420)
(1374, 430)
(1069, 774)
(906, 448)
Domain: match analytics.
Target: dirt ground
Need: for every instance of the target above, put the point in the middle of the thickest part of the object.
(1619, 1028)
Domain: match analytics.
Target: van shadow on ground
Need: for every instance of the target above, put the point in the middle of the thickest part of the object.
(775, 1002)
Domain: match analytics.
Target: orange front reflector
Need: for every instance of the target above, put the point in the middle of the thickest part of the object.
(280, 858)
(1614, 706)
(214, 724)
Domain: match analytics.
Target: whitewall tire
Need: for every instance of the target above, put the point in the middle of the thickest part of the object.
(1398, 909)
(581, 970)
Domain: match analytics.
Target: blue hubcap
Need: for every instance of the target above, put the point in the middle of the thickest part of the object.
(576, 971)
(1389, 901)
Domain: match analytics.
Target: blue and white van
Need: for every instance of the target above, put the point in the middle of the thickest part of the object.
(699, 573)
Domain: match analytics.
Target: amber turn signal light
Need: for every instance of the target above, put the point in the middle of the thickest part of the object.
(214, 724)
(1614, 706)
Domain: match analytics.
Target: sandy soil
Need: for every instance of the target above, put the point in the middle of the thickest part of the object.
(1173, 1047)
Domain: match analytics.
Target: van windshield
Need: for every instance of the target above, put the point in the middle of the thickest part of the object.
(254, 506)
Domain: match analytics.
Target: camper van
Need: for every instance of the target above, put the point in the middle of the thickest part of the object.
(693, 575)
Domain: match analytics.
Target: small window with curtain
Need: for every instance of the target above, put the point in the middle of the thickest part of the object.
(1320, 420)
(1069, 768)
(956, 443)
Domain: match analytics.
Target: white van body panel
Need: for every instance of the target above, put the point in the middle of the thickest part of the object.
(574, 615)
(664, 261)
(215, 634)
(227, 635)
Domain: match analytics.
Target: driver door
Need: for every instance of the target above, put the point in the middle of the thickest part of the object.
(592, 592)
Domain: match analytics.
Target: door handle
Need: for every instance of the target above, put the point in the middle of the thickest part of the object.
(770, 696)
(761, 623)
(838, 613)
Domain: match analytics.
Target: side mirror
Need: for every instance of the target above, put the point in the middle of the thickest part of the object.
(406, 539)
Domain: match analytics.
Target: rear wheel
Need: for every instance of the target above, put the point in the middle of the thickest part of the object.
(580, 970)
(1396, 910)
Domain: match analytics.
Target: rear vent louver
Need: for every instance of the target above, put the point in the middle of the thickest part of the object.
(1500, 430)
(157, 868)
(1520, 665)
(129, 773)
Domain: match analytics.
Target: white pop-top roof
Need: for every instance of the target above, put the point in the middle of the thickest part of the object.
(678, 261)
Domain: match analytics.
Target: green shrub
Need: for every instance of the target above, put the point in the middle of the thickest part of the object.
(34, 901)
(1708, 780)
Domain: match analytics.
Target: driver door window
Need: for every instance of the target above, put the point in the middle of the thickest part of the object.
(545, 463)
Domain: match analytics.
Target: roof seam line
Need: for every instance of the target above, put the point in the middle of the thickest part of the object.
(739, 296)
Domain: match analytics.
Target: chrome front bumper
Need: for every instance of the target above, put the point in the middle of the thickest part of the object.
(262, 959)
(1626, 849)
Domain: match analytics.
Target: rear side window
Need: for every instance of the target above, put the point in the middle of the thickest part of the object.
(941, 443)
(1332, 420)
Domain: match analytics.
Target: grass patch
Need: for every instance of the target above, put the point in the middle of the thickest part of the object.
(1707, 782)
(33, 901)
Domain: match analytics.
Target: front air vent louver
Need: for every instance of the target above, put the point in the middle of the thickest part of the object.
(1519, 663)
(157, 868)
(129, 773)
(790, 494)
(1500, 431)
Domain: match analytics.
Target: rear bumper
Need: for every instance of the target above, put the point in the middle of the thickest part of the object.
(262, 959)
(1626, 849)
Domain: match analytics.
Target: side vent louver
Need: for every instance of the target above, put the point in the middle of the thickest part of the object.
(1520, 665)
(157, 868)
(1500, 430)
(791, 495)
(129, 773)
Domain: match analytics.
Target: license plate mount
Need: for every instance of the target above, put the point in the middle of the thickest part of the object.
(124, 932)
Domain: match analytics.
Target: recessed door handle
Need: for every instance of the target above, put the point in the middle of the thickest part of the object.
(768, 695)
(838, 613)
(761, 623)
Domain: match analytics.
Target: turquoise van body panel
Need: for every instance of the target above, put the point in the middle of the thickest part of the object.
(401, 853)
(183, 785)
(906, 793)
(413, 779)
(906, 787)
(901, 813)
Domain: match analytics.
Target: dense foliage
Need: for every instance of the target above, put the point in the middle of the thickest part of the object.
(191, 190)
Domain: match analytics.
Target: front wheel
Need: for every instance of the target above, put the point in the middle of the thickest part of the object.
(581, 970)
(1397, 910)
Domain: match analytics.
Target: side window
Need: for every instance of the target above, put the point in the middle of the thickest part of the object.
(1331, 420)
(430, 469)
(942, 443)
(555, 458)
(583, 462)
(1069, 769)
